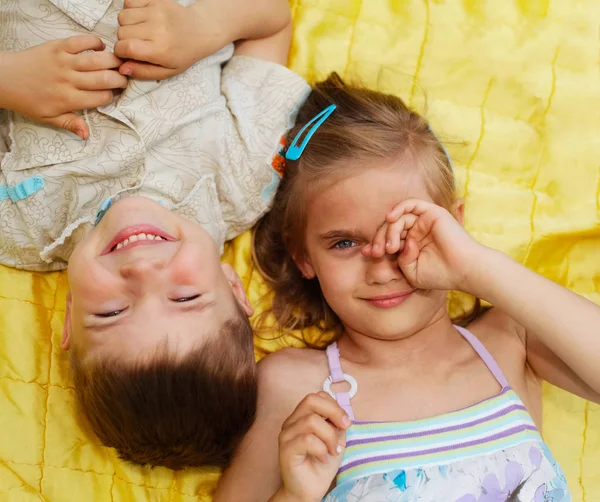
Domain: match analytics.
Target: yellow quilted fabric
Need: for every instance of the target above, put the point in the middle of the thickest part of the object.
(512, 86)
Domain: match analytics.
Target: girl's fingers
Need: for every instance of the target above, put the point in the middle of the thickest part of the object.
(397, 232)
(414, 206)
(317, 426)
(377, 247)
(323, 405)
(409, 255)
(305, 445)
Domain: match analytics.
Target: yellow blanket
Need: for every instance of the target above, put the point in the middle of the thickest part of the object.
(512, 87)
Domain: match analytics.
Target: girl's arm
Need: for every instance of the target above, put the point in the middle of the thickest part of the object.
(562, 328)
(253, 475)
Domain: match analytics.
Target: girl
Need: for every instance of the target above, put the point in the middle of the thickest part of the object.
(365, 238)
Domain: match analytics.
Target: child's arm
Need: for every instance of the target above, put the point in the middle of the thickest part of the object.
(562, 328)
(165, 38)
(254, 474)
(48, 82)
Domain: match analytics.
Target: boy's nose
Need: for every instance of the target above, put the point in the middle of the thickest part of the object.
(142, 267)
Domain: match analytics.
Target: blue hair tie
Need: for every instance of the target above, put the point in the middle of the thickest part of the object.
(294, 151)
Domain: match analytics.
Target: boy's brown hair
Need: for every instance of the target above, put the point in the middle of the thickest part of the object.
(367, 126)
(173, 411)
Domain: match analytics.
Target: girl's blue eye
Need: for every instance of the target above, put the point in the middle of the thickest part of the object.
(344, 244)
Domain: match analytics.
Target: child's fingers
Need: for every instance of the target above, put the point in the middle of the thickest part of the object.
(146, 71)
(129, 16)
(415, 206)
(324, 405)
(85, 100)
(139, 50)
(397, 232)
(407, 259)
(134, 32)
(72, 123)
(317, 426)
(100, 80)
(377, 247)
(93, 61)
(80, 43)
(305, 445)
(134, 4)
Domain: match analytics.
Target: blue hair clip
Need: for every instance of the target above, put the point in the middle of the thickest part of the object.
(294, 151)
(104, 207)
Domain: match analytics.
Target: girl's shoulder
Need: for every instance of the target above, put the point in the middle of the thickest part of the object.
(505, 340)
(495, 325)
(291, 373)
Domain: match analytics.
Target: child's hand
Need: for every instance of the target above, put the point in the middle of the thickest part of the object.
(164, 38)
(48, 82)
(434, 251)
(310, 447)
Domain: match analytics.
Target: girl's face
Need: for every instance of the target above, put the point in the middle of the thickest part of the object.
(371, 296)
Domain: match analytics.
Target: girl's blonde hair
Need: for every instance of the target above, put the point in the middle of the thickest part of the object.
(366, 127)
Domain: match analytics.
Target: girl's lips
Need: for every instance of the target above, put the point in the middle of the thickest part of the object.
(126, 233)
(389, 301)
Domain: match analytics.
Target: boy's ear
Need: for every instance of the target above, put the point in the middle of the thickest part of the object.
(65, 343)
(458, 210)
(237, 286)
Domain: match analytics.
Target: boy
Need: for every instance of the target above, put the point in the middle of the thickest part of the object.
(138, 194)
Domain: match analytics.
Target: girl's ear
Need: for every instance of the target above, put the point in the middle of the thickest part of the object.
(458, 210)
(302, 262)
(305, 267)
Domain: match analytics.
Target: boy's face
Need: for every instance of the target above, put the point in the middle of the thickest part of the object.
(129, 296)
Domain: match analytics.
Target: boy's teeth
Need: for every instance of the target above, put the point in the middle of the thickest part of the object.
(139, 237)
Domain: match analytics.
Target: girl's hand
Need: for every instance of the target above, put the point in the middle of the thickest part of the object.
(164, 38)
(434, 251)
(310, 448)
(48, 82)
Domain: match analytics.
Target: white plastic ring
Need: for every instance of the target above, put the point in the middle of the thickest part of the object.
(347, 378)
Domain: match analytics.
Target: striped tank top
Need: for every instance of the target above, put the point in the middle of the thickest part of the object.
(490, 451)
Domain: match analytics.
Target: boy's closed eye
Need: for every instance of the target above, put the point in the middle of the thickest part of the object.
(114, 313)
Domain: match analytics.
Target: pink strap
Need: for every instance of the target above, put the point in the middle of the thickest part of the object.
(337, 375)
(486, 357)
(335, 368)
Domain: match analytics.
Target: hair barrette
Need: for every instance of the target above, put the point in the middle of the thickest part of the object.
(294, 151)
